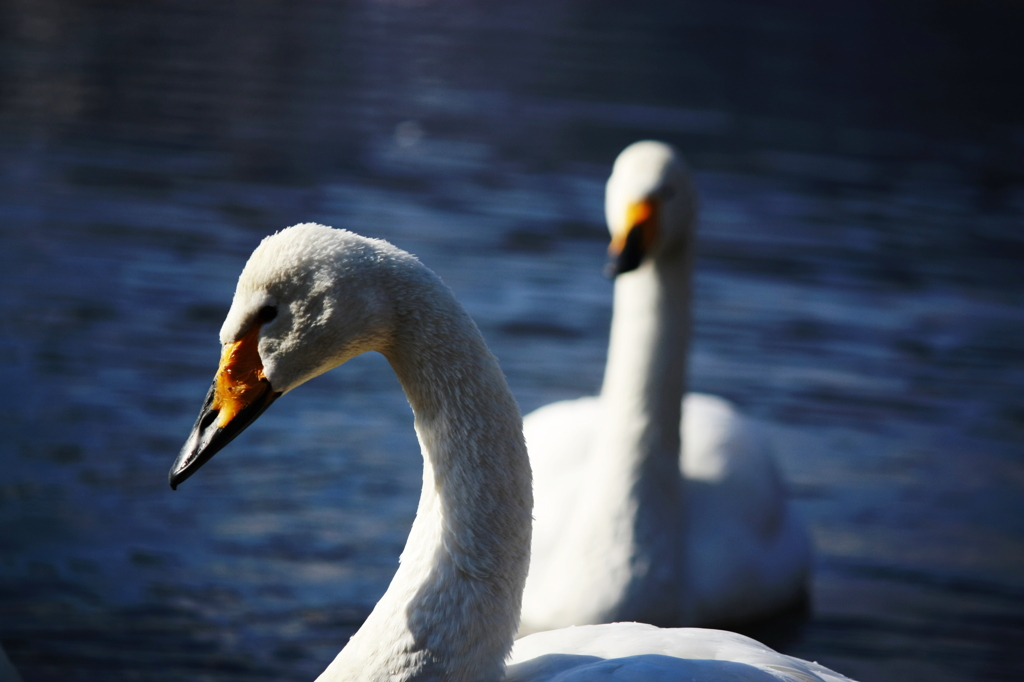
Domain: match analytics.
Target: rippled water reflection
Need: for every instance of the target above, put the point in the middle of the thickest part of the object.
(859, 288)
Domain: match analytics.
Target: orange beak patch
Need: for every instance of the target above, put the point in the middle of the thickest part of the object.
(238, 377)
(640, 215)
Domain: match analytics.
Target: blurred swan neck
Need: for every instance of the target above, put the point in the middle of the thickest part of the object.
(645, 377)
(452, 609)
(631, 522)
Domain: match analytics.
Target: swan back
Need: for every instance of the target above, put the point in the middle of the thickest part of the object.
(639, 652)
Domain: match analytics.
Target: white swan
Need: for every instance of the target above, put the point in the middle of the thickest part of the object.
(309, 299)
(628, 525)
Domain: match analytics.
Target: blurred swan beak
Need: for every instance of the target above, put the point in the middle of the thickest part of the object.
(630, 246)
(239, 394)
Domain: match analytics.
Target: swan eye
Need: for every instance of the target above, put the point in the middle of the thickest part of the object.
(266, 314)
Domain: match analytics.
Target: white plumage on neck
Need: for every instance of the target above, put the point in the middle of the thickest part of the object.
(453, 606)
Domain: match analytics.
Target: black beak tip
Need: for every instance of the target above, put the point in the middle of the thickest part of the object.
(629, 258)
(181, 469)
(207, 438)
(175, 478)
(620, 264)
(194, 452)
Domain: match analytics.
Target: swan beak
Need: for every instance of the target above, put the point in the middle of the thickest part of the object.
(631, 245)
(239, 394)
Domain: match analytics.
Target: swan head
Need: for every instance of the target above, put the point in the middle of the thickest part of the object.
(310, 298)
(649, 204)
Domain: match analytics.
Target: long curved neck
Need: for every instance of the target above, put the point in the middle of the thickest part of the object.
(645, 376)
(633, 522)
(452, 609)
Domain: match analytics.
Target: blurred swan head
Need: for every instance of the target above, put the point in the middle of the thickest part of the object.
(650, 205)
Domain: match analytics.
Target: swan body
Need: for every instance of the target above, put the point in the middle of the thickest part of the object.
(652, 505)
(312, 297)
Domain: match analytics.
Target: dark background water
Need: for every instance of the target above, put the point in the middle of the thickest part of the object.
(860, 288)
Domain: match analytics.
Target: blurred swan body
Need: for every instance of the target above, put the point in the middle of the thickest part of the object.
(652, 506)
(311, 298)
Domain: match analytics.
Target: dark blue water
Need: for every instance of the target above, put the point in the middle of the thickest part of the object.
(860, 288)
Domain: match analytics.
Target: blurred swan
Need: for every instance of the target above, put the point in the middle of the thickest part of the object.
(312, 297)
(650, 506)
